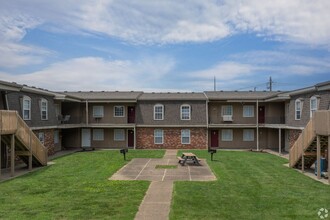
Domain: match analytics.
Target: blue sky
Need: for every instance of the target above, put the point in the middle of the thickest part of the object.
(165, 45)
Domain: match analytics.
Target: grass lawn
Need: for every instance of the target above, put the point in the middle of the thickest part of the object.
(75, 187)
(249, 186)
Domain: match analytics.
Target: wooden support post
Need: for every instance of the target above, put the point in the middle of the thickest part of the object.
(279, 142)
(0, 156)
(12, 155)
(134, 137)
(303, 163)
(257, 123)
(329, 159)
(30, 153)
(318, 152)
(87, 114)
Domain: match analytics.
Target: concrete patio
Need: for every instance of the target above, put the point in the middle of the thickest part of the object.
(157, 201)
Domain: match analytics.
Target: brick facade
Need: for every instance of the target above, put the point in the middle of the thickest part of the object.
(172, 138)
(49, 140)
(293, 136)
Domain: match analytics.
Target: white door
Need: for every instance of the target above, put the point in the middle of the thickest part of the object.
(85, 137)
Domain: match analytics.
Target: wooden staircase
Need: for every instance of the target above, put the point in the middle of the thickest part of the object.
(27, 145)
(305, 147)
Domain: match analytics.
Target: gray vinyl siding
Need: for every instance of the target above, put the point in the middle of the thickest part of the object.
(15, 103)
(324, 102)
(145, 113)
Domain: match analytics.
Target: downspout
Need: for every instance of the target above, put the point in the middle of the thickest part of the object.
(257, 112)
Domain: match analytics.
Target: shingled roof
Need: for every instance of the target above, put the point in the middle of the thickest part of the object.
(104, 95)
(173, 96)
(240, 95)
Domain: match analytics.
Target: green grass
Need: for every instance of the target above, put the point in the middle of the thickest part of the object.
(75, 187)
(249, 186)
(166, 166)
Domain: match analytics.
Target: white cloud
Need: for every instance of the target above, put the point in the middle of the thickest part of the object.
(295, 20)
(225, 71)
(94, 73)
(172, 21)
(12, 31)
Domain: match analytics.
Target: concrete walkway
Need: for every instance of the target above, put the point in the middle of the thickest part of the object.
(157, 201)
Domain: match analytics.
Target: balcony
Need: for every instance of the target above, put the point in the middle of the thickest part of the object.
(273, 120)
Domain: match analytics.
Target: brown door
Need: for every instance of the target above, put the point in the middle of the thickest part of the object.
(261, 114)
(131, 114)
(130, 138)
(214, 138)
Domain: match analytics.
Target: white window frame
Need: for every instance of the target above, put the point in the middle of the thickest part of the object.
(297, 104)
(224, 110)
(248, 111)
(248, 134)
(98, 134)
(185, 115)
(158, 136)
(120, 112)
(158, 113)
(56, 136)
(120, 133)
(313, 108)
(26, 108)
(185, 134)
(227, 134)
(98, 111)
(44, 109)
(41, 137)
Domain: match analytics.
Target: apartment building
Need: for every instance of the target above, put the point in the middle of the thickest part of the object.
(213, 119)
(171, 120)
(249, 120)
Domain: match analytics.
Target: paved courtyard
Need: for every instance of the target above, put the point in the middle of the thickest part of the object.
(157, 201)
(145, 169)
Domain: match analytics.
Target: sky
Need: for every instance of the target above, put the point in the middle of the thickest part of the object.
(164, 45)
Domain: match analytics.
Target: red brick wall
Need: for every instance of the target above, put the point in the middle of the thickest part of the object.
(49, 140)
(172, 138)
(293, 136)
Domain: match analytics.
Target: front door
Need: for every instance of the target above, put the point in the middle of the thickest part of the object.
(261, 115)
(131, 114)
(214, 138)
(85, 138)
(130, 138)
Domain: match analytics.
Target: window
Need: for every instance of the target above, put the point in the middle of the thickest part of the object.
(298, 109)
(56, 137)
(185, 136)
(248, 135)
(227, 110)
(227, 135)
(98, 134)
(44, 109)
(41, 136)
(313, 105)
(185, 112)
(119, 111)
(26, 108)
(98, 111)
(158, 136)
(248, 111)
(158, 112)
(119, 135)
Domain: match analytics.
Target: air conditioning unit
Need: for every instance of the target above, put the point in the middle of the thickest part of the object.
(227, 118)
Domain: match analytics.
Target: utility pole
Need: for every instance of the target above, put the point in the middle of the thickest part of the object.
(215, 84)
(270, 84)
